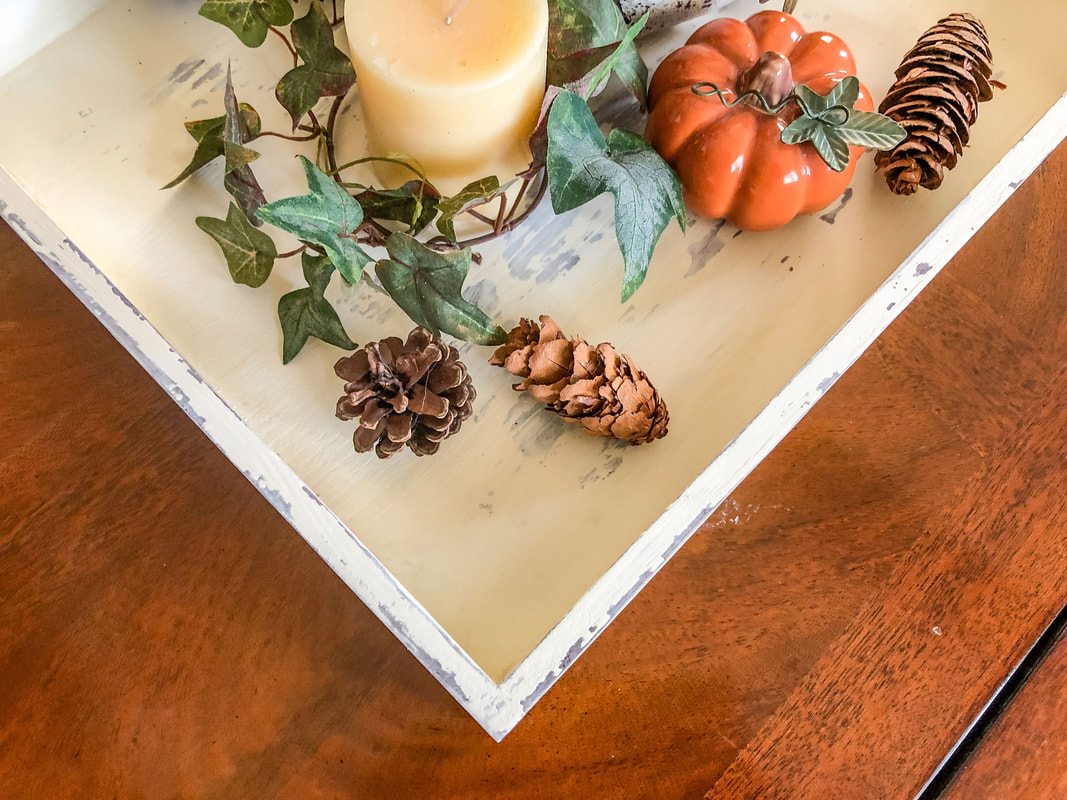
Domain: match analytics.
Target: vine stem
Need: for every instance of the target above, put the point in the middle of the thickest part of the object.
(503, 221)
(292, 253)
(331, 124)
(288, 44)
(709, 89)
(512, 222)
(313, 135)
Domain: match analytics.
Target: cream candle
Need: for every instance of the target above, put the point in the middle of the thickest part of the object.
(460, 95)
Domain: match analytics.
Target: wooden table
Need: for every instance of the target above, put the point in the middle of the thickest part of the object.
(831, 632)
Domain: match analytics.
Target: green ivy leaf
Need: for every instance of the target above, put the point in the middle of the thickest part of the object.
(582, 34)
(306, 312)
(248, 19)
(582, 165)
(326, 71)
(207, 133)
(324, 217)
(472, 194)
(318, 269)
(428, 286)
(414, 204)
(239, 179)
(577, 25)
(249, 252)
(634, 74)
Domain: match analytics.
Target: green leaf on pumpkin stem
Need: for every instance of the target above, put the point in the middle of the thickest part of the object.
(825, 126)
(582, 165)
(870, 129)
(248, 19)
(208, 136)
(844, 93)
(473, 194)
(249, 252)
(306, 313)
(428, 286)
(325, 217)
(827, 143)
(239, 179)
(581, 34)
(326, 71)
(414, 204)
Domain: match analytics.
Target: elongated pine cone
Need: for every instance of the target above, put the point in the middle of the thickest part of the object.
(596, 387)
(935, 99)
(415, 393)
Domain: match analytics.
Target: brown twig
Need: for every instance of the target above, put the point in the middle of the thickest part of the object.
(331, 125)
(292, 253)
(500, 215)
(308, 138)
(288, 44)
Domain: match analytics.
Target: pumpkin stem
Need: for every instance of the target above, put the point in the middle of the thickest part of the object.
(771, 76)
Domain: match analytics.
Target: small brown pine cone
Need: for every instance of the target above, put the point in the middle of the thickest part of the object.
(935, 99)
(415, 393)
(596, 387)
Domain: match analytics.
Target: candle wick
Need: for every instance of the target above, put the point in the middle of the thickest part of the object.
(456, 8)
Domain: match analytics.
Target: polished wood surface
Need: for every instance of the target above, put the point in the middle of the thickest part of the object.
(1025, 753)
(831, 631)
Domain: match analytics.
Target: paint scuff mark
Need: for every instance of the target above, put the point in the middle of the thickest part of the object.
(830, 217)
(185, 70)
(528, 702)
(182, 399)
(15, 221)
(922, 268)
(826, 383)
(703, 250)
(274, 497)
(213, 73)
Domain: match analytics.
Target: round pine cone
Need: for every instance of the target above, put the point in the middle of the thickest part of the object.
(935, 99)
(596, 387)
(415, 393)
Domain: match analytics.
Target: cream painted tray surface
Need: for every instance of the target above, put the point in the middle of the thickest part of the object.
(498, 561)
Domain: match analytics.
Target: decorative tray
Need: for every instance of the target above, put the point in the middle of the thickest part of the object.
(498, 561)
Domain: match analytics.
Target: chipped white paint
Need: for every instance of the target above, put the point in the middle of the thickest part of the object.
(662, 13)
(498, 561)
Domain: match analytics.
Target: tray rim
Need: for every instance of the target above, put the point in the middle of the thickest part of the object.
(498, 708)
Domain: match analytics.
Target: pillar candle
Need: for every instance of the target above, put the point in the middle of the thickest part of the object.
(462, 98)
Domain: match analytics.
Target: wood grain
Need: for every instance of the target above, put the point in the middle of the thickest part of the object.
(1025, 753)
(163, 633)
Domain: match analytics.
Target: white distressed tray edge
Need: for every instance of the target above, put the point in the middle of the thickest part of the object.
(498, 708)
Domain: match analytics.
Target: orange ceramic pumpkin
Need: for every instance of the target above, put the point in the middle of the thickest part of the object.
(731, 161)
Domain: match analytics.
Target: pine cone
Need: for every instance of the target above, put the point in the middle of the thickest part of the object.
(935, 99)
(415, 393)
(596, 387)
